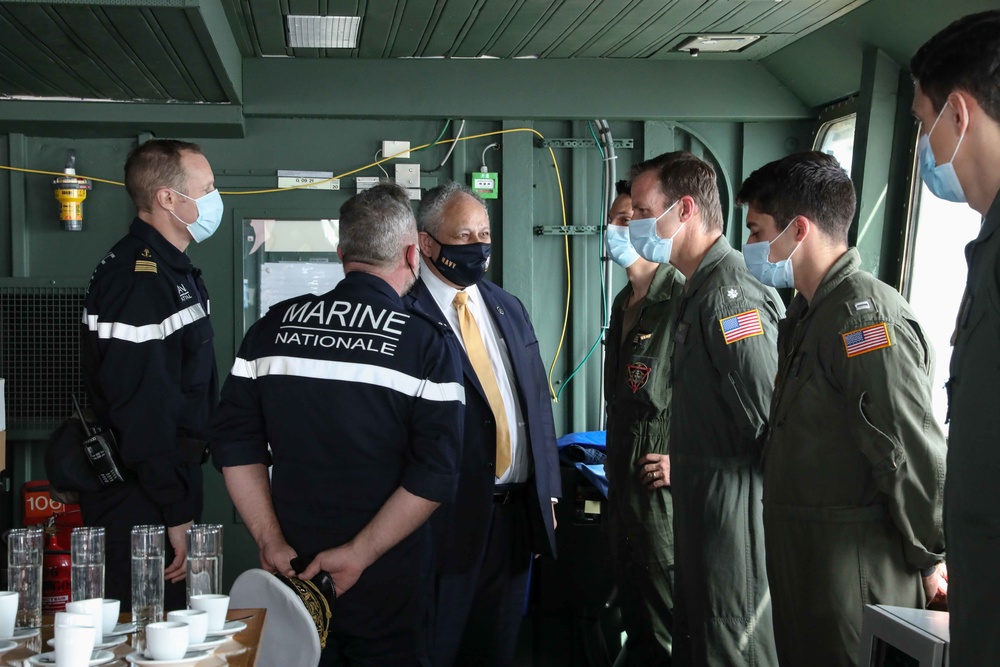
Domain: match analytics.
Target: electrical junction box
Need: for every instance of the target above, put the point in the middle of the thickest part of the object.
(366, 182)
(486, 184)
(395, 149)
(408, 175)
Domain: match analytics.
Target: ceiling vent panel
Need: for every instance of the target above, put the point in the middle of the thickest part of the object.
(717, 43)
(323, 32)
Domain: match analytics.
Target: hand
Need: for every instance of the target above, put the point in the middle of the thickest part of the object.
(555, 524)
(936, 588)
(277, 557)
(177, 569)
(654, 471)
(342, 563)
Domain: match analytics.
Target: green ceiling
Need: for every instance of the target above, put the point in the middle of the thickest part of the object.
(196, 51)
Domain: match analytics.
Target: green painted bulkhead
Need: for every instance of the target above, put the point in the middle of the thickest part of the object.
(332, 115)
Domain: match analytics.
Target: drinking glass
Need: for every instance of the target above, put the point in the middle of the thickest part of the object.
(24, 573)
(147, 575)
(87, 556)
(204, 560)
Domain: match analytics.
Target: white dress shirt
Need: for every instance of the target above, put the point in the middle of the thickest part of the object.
(496, 349)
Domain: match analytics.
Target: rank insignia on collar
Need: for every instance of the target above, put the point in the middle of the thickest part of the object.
(731, 292)
(862, 306)
(638, 375)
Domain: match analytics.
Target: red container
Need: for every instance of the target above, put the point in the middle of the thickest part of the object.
(59, 521)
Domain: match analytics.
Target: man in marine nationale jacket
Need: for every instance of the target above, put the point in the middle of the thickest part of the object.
(854, 460)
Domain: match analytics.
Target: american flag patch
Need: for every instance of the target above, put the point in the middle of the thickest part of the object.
(868, 339)
(741, 326)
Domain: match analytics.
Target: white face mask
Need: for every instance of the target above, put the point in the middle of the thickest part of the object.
(642, 234)
(775, 274)
(210, 210)
(940, 179)
(620, 249)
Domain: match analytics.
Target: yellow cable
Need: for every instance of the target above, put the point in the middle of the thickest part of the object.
(59, 173)
(562, 205)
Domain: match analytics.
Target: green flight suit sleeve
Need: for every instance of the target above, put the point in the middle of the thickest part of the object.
(747, 367)
(892, 425)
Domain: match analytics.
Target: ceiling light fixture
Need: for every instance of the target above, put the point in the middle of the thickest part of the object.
(717, 43)
(323, 32)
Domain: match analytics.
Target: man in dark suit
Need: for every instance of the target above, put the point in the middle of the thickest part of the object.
(509, 477)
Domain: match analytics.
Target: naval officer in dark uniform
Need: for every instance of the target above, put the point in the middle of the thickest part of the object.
(149, 362)
(357, 404)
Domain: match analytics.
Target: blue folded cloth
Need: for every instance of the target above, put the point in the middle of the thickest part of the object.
(595, 475)
(595, 439)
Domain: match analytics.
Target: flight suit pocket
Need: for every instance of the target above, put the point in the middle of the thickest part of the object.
(754, 420)
(881, 449)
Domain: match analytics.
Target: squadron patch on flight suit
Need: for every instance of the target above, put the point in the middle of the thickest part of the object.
(868, 339)
(743, 325)
(638, 375)
(144, 262)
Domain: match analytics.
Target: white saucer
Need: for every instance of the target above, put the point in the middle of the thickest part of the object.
(110, 642)
(20, 634)
(228, 628)
(124, 628)
(211, 641)
(7, 645)
(190, 658)
(96, 658)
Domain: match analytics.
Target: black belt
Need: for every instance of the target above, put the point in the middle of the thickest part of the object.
(505, 494)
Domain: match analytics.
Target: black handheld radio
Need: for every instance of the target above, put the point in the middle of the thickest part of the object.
(99, 446)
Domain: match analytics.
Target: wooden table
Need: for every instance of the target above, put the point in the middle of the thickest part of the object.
(240, 650)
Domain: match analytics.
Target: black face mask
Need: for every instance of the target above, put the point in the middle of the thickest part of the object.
(463, 265)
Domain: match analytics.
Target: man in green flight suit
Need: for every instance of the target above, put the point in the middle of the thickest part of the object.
(957, 102)
(637, 386)
(722, 368)
(854, 461)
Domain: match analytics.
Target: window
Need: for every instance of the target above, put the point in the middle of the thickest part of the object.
(935, 274)
(836, 138)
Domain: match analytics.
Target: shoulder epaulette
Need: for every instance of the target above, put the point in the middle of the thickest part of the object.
(144, 262)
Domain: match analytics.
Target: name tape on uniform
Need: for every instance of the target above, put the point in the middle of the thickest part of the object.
(740, 326)
(868, 339)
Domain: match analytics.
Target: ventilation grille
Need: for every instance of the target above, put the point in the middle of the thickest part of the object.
(40, 354)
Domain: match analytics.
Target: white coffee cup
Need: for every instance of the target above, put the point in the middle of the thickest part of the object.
(69, 618)
(197, 620)
(166, 640)
(8, 613)
(92, 606)
(216, 606)
(112, 608)
(74, 645)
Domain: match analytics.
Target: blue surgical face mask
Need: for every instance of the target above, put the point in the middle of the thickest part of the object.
(775, 274)
(620, 249)
(941, 180)
(642, 234)
(209, 215)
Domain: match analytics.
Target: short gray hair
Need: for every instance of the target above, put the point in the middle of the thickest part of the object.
(376, 224)
(429, 214)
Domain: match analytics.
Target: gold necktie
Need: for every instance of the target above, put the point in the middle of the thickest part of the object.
(484, 371)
